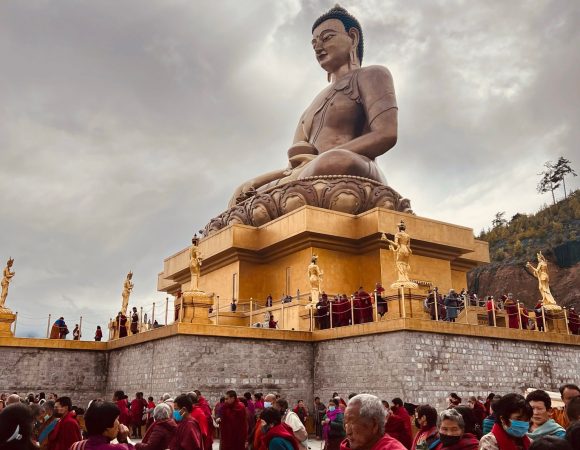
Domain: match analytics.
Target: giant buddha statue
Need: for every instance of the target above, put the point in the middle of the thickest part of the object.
(331, 163)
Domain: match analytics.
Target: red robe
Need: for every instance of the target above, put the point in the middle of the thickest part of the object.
(573, 322)
(65, 433)
(204, 405)
(233, 426)
(367, 307)
(198, 414)
(511, 309)
(396, 427)
(357, 304)
(124, 417)
(188, 436)
(281, 431)
(468, 442)
(403, 414)
(137, 406)
(159, 435)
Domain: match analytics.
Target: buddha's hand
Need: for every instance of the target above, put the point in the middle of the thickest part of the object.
(298, 161)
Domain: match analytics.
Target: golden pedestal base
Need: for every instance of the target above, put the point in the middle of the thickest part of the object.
(7, 318)
(196, 306)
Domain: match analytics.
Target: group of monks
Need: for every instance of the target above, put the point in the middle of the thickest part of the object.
(342, 311)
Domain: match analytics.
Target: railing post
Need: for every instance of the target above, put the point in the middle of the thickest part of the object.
(436, 298)
(80, 328)
(217, 311)
(153, 315)
(566, 321)
(330, 307)
(181, 309)
(48, 327)
(544, 319)
(403, 302)
(519, 316)
(110, 321)
(493, 312)
(375, 309)
(351, 310)
(251, 310)
(166, 308)
(15, 322)
(311, 319)
(282, 319)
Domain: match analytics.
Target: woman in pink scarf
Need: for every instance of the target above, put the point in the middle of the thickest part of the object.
(333, 426)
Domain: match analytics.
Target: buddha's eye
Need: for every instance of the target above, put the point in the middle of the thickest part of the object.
(327, 37)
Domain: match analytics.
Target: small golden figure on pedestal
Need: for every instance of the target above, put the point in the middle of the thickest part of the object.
(541, 273)
(401, 247)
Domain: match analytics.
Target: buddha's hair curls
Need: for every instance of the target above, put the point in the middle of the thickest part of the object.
(348, 20)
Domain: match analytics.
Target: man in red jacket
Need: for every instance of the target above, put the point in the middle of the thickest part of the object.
(233, 423)
(364, 422)
(67, 430)
(399, 410)
(188, 435)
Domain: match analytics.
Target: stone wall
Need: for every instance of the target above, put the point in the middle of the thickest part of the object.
(213, 365)
(79, 374)
(426, 367)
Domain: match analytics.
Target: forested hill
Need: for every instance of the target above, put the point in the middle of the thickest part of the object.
(554, 230)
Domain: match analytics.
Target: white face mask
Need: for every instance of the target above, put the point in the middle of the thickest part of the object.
(267, 404)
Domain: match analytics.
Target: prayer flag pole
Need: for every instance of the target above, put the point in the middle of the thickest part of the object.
(48, 327)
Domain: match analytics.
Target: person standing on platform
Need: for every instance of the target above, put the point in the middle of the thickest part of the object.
(233, 423)
(573, 321)
(98, 334)
(322, 313)
(134, 321)
(451, 304)
(188, 434)
(539, 316)
(76, 333)
(382, 305)
(364, 422)
(67, 430)
(491, 308)
(122, 324)
(269, 301)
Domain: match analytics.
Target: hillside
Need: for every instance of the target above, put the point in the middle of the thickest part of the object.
(554, 230)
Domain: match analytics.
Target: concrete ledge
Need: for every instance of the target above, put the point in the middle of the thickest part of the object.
(53, 343)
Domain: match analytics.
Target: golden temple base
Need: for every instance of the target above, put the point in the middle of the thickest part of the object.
(7, 318)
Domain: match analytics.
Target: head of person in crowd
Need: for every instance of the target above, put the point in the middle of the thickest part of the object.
(182, 407)
(541, 405)
(550, 443)
(248, 396)
(568, 392)
(165, 397)
(316, 400)
(269, 400)
(352, 394)
(472, 402)
(454, 399)
(13, 399)
(271, 417)
(333, 404)
(281, 405)
(257, 396)
(243, 400)
(162, 412)
(334, 394)
(118, 395)
(62, 406)
(102, 419)
(469, 420)
(364, 421)
(30, 399)
(490, 397)
(48, 409)
(16, 424)
(513, 414)
(573, 410)
(231, 397)
(397, 403)
(452, 429)
(425, 417)
(573, 435)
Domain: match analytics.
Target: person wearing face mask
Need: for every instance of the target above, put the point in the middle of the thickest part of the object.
(103, 426)
(333, 426)
(452, 435)
(512, 424)
(276, 435)
(50, 421)
(426, 421)
(67, 430)
(188, 434)
(257, 436)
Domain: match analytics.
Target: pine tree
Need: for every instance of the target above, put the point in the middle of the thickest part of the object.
(561, 169)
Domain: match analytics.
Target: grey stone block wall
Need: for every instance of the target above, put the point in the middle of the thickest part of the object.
(426, 367)
(213, 365)
(79, 374)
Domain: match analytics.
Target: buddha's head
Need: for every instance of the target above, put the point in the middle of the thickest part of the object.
(337, 39)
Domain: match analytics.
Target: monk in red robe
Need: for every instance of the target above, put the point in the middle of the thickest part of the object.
(573, 321)
(233, 423)
(67, 430)
(344, 315)
(120, 400)
(358, 308)
(396, 427)
(400, 411)
(206, 408)
(188, 435)
(138, 404)
(366, 305)
(511, 308)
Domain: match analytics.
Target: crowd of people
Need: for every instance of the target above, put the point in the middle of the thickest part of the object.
(268, 422)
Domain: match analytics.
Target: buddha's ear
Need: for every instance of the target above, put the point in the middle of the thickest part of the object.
(354, 34)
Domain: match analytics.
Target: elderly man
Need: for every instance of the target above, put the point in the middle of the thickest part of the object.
(567, 392)
(160, 434)
(541, 424)
(364, 422)
(13, 399)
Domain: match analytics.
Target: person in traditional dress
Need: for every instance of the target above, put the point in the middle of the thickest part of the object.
(120, 399)
(122, 324)
(366, 311)
(233, 423)
(269, 301)
(98, 334)
(138, 406)
(188, 434)
(276, 434)
(540, 326)
(399, 410)
(103, 426)
(333, 426)
(491, 308)
(512, 423)
(301, 411)
(451, 304)
(541, 423)
(134, 321)
(322, 313)
(56, 327)
(76, 333)
(426, 421)
(567, 393)
(161, 431)
(511, 309)
(67, 431)
(382, 305)
(206, 408)
(356, 304)
(344, 317)
(452, 433)
(396, 427)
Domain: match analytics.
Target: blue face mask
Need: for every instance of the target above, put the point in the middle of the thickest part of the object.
(518, 428)
(331, 408)
(177, 416)
(267, 404)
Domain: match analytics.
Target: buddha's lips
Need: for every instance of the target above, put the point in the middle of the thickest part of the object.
(320, 56)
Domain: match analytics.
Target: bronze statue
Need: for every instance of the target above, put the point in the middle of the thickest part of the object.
(349, 123)
(127, 288)
(541, 273)
(195, 260)
(6, 278)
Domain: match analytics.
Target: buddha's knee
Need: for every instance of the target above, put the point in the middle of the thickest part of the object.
(337, 162)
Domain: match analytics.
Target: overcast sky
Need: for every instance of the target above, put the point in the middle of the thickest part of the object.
(126, 125)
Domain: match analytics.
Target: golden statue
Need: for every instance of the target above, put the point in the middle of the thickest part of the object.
(127, 288)
(541, 273)
(401, 247)
(195, 260)
(7, 276)
(315, 279)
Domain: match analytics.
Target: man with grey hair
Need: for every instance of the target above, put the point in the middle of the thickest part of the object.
(364, 422)
(160, 434)
(13, 399)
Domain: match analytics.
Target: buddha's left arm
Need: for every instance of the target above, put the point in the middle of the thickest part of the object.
(377, 96)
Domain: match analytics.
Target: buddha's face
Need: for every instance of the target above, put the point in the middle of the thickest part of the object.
(332, 44)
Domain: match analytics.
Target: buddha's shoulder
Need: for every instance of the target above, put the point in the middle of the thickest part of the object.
(375, 74)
